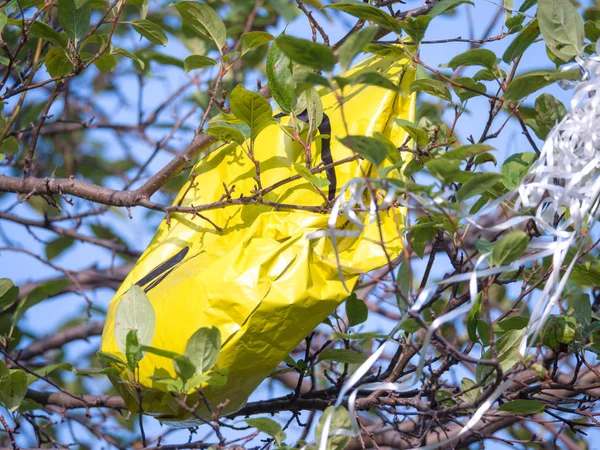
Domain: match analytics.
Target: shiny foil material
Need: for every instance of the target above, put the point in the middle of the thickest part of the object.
(260, 280)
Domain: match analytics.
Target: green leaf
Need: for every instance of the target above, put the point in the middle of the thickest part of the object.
(184, 368)
(468, 88)
(8, 293)
(372, 78)
(444, 170)
(57, 62)
(355, 44)
(508, 6)
(522, 407)
(217, 378)
(58, 246)
(320, 182)
(359, 336)
(417, 133)
(46, 32)
(18, 389)
(446, 5)
(4, 384)
(369, 13)
(473, 318)
(134, 312)
(308, 79)
(549, 111)
(306, 53)
(373, 150)
(559, 331)
(420, 235)
(515, 167)
(203, 348)
(128, 54)
(171, 385)
(160, 352)
(10, 146)
(416, 27)
(226, 134)
(478, 184)
(29, 405)
(581, 309)
(386, 50)
(74, 17)
(197, 62)
(432, 87)
(522, 41)
(342, 355)
(253, 109)
(489, 74)
(507, 349)
(268, 426)
(404, 279)
(592, 30)
(562, 28)
(106, 63)
(13, 387)
(196, 381)
(468, 391)
(533, 81)
(340, 420)
(47, 370)
(514, 23)
(510, 248)
(311, 102)
(107, 371)
(466, 151)
(356, 310)
(150, 31)
(279, 75)
(166, 60)
(107, 358)
(203, 19)
(133, 351)
(527, 4)
(512, 323)
(475, 57)
(392, 151)
(254, 39)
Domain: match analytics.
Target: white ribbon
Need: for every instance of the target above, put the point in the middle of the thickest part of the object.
(565, 179)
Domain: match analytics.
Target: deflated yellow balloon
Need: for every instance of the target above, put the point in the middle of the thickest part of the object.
(260, 281)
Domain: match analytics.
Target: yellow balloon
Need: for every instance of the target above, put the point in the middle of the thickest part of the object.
(260, 281)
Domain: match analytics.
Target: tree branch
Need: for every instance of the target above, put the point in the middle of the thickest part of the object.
(59, 339)
(88, 279)
(67, 401)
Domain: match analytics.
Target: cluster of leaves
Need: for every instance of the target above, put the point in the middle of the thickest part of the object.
(134, 329)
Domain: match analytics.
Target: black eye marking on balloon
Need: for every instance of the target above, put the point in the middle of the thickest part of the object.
(158, 280)
(167, 266)
(326, 157)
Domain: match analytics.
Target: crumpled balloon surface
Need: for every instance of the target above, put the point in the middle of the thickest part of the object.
(260, 281)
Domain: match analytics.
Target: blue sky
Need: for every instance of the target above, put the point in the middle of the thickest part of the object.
(44, 318)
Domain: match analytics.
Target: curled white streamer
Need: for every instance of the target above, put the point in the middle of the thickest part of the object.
(564, 178)
(355, 378)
